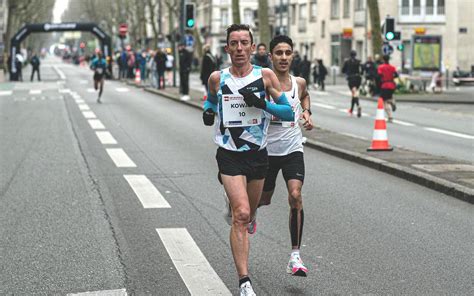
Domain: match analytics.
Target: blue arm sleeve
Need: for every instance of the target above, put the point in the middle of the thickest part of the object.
(282, 109)
(211, 102)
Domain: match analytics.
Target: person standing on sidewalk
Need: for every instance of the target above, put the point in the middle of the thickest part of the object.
(261, 57)
(322, 73)
(160, 61)
(285, 147)
(387, 74)
(352, 70)
(208, 65)
(237, 95)
(35, 64)
(185, 63)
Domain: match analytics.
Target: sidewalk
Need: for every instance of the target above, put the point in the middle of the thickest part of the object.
(452, 177)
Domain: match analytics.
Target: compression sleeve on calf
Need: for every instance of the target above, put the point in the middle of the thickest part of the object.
(282, 109)
(211, 102)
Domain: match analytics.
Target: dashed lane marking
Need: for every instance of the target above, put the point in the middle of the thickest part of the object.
(146, 192)
(84, 107)
(119, 292)
(403, 123)
(35, 91)
(454, 134)
(105, 137)
(96, 124)
(120, 158)
(89, 114)
(323, 106)
(196, 272)
(91, 90)
(65, 91)
(79, 101)
(122, 89)
(6, 92)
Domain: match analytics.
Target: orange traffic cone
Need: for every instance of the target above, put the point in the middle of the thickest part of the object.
(137, 76)
(379, 138)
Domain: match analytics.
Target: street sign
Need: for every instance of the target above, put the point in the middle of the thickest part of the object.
(123, 30)
(387, 49)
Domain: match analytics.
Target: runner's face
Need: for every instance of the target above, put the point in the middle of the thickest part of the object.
(239, 47)
(281, 56)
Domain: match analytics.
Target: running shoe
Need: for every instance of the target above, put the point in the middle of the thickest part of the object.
(350, 112)
(359, 111)
(246, 289)
(295, 266)
(227, 213)
(394, 107)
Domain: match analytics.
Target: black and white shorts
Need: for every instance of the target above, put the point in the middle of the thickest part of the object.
(252, 164)
(291, 166)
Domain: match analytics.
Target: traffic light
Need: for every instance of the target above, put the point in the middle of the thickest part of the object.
(401, 47)
(189, 20)
(389, 28)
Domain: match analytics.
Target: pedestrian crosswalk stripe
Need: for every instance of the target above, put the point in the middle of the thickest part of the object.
(84, 107)
(196, 272)
(96, 124)
(80, 101)
(105, 137)
(120, 158)
(146, 192)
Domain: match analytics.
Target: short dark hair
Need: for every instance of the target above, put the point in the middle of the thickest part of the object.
(280, 39)
(238, 27)
(262, 44)
(386, 58)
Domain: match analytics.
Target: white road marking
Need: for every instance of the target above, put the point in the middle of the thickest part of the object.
(65, 90)
(120, 158)
(106, 137)
(146, 192)
(60, 73)
(196, 272)
(96, 124)
(436, 130)
(89, 114)
(84, 107)
(91, 90)
(323, 106)
(35, 91)
(122, 89)
(322, 93)
(354, 136)
(6, 92)
(403, 122)
(79, 101)
(119, 292)
(83, 82)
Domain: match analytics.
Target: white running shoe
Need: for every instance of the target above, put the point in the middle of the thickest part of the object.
(247, 290)
(227, 213)
(295, 266)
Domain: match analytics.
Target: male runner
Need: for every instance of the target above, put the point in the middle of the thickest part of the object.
(237, 95)
(387, 74)
(99, 65)
(285, 147)
(352, 70)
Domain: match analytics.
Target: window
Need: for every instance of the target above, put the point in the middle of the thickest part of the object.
(302, 18)
(405, 7)
(416, 7)
(313, 11)
(347, 4)
(335, 49)
(359, 5)
(440, 7)
(225, 17)
(430, 7)
(323, 29)
(293, 14)
(248, 17)
(334, 8)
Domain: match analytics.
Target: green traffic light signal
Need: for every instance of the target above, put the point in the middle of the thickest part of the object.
(190, 23)
(401, 47)
(389, 36)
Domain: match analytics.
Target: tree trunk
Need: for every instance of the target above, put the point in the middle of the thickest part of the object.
(375, 25)
(152, 8)
(263, 25)
(236, 11)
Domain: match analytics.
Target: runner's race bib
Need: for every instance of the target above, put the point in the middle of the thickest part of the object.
(236, 113)
(99, 70)
(296, 110)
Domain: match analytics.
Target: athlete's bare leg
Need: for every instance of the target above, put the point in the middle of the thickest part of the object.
(296, 217)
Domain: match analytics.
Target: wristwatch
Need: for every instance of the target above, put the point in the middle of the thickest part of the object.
(309, 111)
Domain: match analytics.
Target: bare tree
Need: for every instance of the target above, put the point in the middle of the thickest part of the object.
(263, 25)
(236, 11)
(375, 24)
(152, 5)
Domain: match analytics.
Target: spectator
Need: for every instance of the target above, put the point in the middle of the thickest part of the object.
(209, 65)
(295, 65)
(185, 63)
(305, 68)
(169, 66)
(322, 73)
(261, 57)
(35, 64)
(160, 61)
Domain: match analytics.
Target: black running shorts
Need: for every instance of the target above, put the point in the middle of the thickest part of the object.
(291, 165)
(386, 94)
(252, 164)
(354, 81)
(98, 76)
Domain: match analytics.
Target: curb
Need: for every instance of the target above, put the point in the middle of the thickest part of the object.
(447, 187)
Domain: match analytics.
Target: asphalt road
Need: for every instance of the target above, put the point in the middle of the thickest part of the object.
(72, 221)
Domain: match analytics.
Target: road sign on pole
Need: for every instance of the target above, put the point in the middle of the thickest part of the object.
(387, 49)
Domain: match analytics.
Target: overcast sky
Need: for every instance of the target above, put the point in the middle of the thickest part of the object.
(59, 7)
